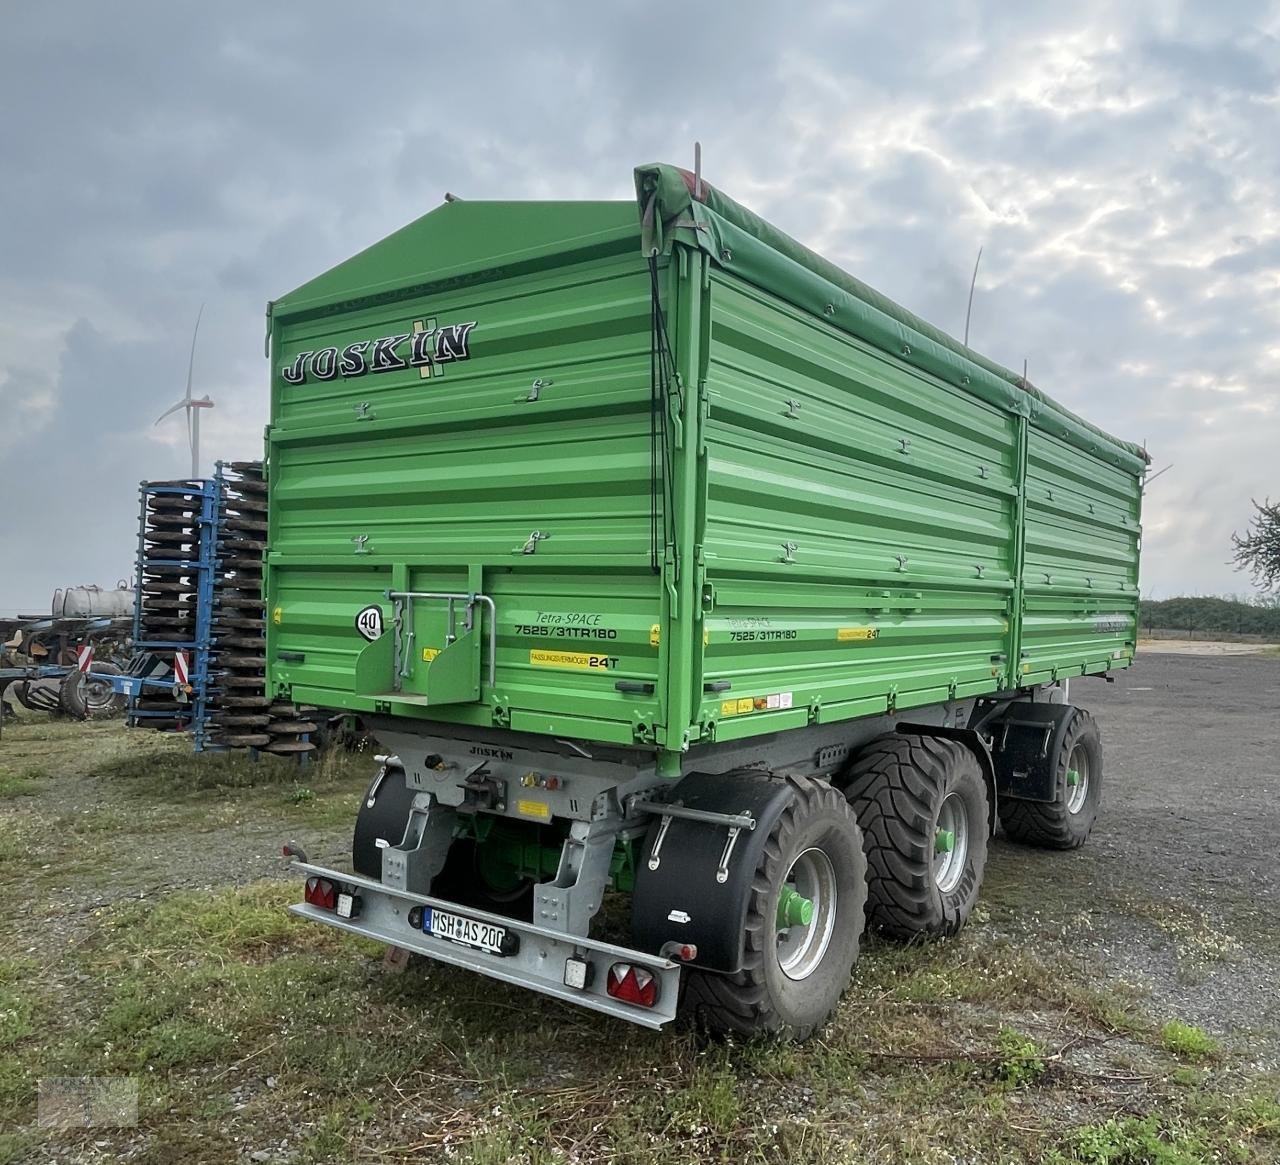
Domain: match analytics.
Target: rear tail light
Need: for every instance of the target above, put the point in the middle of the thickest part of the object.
(632, 985)
(321, 892)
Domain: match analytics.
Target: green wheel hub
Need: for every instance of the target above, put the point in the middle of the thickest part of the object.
(944, 841)
(793, 909)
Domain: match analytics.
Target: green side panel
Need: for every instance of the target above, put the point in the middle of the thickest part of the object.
(757, 251)
(862, 518)
(859, 535)
(1081, 562)
(470, 477)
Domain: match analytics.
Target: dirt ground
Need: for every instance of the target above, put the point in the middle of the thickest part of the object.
(1178, 890)
(1204, 647)
(145, 938)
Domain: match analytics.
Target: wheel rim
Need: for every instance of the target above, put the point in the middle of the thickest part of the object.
(99, 698)
(801, 947)
(1077, 779)
(951, 843)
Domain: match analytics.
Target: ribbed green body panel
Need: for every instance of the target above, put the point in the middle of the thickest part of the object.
(886, 492)
(447, 477)
(847, 534)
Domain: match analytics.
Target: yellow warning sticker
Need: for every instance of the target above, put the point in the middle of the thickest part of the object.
(655, 635)
(776, 701)
(579, 660)
(856, 634)
(429, 653)
(277, 614)
(538, 809)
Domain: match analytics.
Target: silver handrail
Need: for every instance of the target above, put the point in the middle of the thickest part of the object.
(451, 597)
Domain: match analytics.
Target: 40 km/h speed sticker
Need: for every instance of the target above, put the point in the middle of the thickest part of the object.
(369, 623)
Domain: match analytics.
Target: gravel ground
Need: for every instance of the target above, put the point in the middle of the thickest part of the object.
(1178, 890)
(1177, 895)
(1203, 647)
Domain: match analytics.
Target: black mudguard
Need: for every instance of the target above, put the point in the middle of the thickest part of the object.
(384, 813)
(1026, 740)
(978, 744)
(682, 900)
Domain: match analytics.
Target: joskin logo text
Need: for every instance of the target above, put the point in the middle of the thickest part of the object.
(429, 349)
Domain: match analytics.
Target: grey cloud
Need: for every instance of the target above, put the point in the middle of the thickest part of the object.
(191, 153)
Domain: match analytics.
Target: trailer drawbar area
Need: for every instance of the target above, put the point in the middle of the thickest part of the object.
(664, 557)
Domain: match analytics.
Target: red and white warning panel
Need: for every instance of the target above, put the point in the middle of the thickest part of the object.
(181, 668)
(84, 658)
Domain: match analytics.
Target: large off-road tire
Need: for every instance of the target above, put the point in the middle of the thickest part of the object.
(1065, 822)
(922, 804)
(792, 978)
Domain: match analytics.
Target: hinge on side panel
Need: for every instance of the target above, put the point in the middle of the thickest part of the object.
(670, 577)
(704, 415)
(675, 408)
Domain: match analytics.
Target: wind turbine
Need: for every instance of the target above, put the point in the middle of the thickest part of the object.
(191, 404)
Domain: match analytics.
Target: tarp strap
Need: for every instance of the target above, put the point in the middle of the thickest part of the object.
(662, 374)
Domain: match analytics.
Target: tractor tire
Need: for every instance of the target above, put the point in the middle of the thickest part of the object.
(792, 978)
(922, 804)
(1065, 822)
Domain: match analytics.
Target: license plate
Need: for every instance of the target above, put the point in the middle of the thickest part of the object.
(483, 936)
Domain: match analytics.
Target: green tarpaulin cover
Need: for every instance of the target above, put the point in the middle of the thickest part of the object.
(744, 243)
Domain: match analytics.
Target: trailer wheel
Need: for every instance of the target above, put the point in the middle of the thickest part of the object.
(471, 877)
(88, 697)
(922, 804)
(804, 922)
(1064, 823)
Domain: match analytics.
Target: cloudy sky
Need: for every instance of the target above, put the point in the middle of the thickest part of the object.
(1120, 164)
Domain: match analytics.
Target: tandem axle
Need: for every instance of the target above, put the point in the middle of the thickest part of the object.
(494, 852)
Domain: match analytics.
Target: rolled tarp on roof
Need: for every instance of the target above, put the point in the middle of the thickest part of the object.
(742, 242)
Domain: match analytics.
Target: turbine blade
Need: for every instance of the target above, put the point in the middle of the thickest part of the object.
(191, 364)
(182, 404)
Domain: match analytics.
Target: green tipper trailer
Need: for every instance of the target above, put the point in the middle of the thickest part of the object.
(663, 556)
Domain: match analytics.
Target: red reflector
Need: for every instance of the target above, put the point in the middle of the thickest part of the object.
(321, 892)
(632, 985)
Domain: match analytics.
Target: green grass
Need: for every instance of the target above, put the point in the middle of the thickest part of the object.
(198, 993)
(25, 783)
(1134, 1141)
(1021, 1059)
(1184, 1039)
(977, 1048)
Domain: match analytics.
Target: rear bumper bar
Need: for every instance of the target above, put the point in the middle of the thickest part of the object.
(539, 964)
